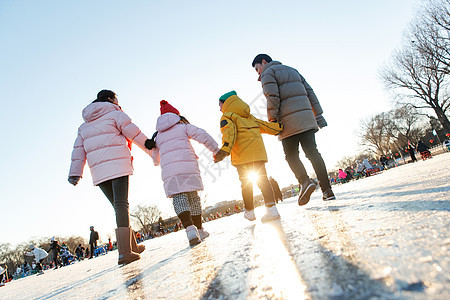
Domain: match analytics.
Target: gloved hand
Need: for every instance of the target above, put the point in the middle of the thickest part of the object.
(150, 144)
(74, 179)
(321, 121)
(220, 156)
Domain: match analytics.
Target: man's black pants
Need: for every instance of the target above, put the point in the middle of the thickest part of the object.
(308, 142)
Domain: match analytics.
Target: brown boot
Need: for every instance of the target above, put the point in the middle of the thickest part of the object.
(134, 245)
(124, 246)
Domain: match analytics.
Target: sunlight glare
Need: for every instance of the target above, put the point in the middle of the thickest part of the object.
(253, 176)
(277, 268)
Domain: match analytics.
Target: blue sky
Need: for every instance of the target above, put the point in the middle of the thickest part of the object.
(56, 55)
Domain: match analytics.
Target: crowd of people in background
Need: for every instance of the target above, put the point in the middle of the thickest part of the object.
(367, 167)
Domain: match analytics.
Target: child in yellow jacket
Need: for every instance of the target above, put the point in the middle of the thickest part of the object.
(242, 139)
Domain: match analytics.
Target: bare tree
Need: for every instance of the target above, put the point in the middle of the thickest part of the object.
(431, 32)
(406, 126)
(144, 216)
(375, 133)
(345, 162)
(419, 71)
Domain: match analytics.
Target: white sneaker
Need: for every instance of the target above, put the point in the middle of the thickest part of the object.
(250, 215)
(193, 236)
(203, 233)
(271, 214)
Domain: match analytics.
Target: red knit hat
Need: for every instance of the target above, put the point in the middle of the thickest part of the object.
(167, 108)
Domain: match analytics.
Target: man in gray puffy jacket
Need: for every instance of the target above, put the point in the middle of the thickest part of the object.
(292, 102)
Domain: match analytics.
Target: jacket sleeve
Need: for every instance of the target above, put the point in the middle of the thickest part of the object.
(202, 137)
(272, 94)
(317, 109)
(269, 127)
(229, 134)
(78, 157)
(155, 156)
(131, 131)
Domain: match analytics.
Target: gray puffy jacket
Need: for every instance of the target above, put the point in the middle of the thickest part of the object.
(290, 99)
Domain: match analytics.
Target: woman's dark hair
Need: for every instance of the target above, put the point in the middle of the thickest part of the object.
(259, 58)
(184, 120)
(104, 96)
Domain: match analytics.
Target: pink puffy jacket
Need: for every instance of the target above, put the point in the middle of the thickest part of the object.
(179, 166)
(102, 141)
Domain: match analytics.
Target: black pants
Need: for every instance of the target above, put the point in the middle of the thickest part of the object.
(116, 190)
(262, 181)
(93, 246)
(308, 141)
(55, 260)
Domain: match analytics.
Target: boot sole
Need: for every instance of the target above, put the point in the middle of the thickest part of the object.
(194, 242)
(127, 261)
(268, 220)
(304, 199)
(137, 249)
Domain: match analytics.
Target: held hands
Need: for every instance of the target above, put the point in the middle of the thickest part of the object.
(74, 180)
(220, 156)
(150, 144)
(321, 121)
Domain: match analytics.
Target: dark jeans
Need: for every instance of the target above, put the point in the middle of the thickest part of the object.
(308, 141)
(262, 182)
(93, 246)
(116, 190)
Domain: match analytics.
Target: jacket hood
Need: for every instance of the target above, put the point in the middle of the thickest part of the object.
(235, 105)
(272, 63)
(98, 109)
(166, 121)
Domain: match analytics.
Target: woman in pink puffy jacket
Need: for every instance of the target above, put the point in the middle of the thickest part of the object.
(104, 140)
(179, 167)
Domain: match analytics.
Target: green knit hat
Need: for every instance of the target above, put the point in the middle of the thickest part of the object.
(226, 96)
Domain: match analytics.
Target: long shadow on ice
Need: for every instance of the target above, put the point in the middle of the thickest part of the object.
(326, 275)
(78, 283)
(231, 282)
(134, 277)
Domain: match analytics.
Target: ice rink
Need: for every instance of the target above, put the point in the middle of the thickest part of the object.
(385, 237)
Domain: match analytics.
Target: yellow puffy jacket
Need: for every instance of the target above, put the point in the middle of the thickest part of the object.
(242, 132)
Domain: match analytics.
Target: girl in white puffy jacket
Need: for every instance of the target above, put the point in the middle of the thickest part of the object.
(179, 167)
(104, 141)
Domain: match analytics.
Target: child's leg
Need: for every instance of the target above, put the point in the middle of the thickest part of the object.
(264, 183)
(195, 208)
(181, 206)
(246, 185)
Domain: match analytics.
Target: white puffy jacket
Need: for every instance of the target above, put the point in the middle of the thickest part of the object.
(180, 171)
(103, 141)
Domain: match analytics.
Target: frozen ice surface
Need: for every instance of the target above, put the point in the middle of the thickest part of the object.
(386, 237)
